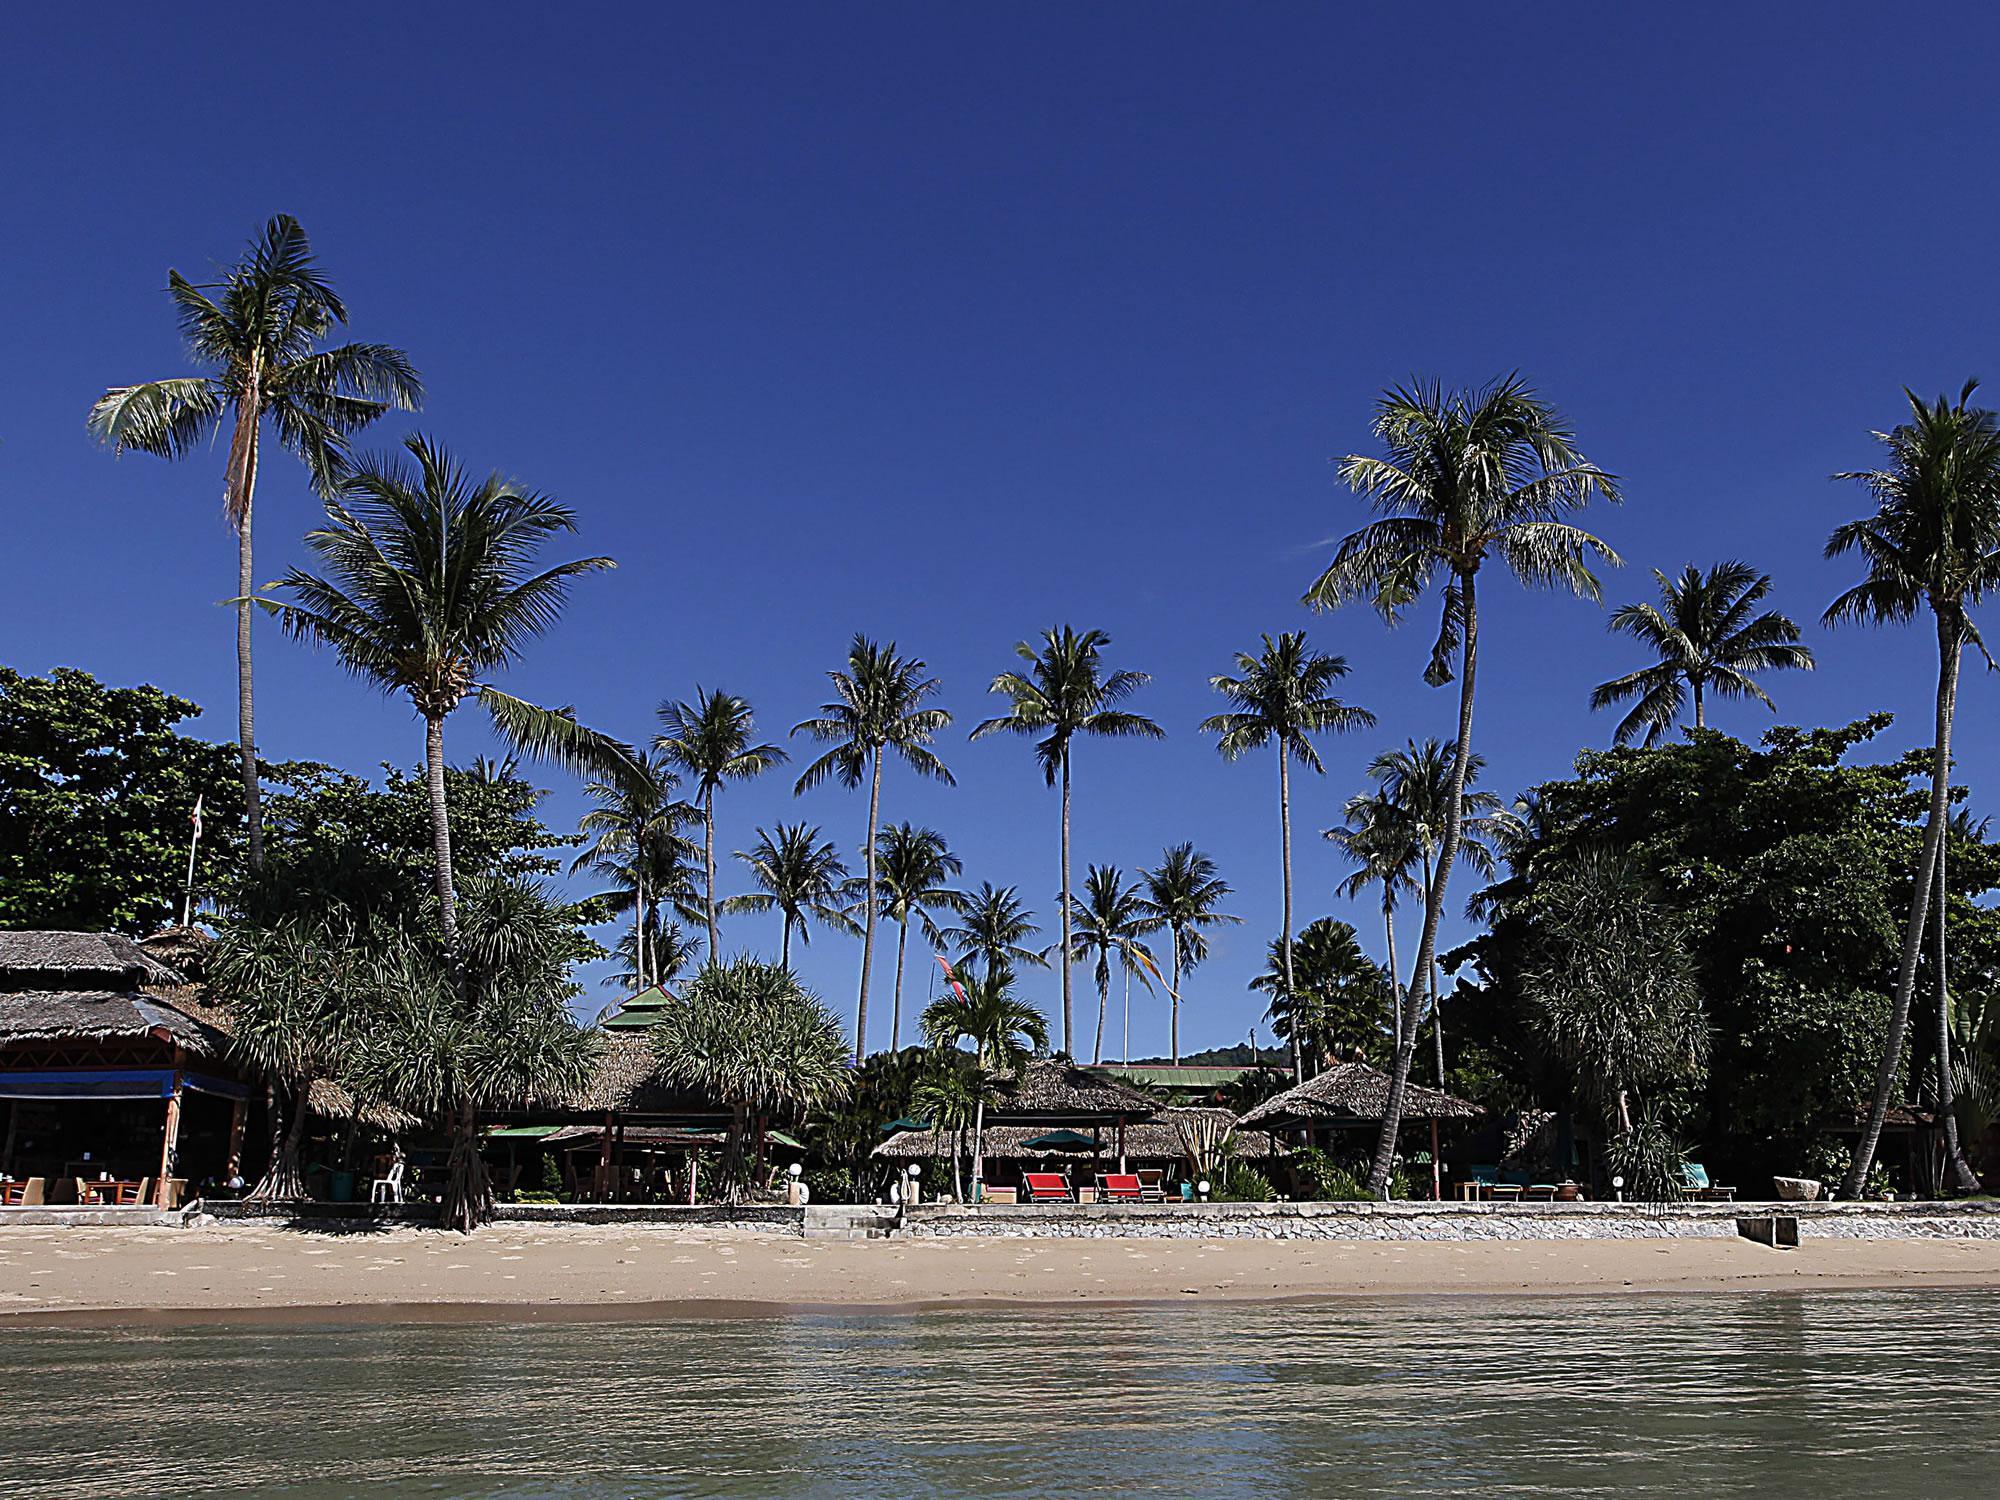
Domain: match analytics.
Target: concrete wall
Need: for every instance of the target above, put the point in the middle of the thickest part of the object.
(1443, 1221)
(764, 1218)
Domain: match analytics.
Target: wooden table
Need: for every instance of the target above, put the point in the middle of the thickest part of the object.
(120, 1192)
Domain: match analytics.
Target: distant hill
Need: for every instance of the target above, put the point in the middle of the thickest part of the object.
(1237, 1056)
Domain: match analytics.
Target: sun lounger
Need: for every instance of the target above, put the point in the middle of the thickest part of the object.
(1047, 1187)
(1152, 1185)
(1700, 1188)
(1539, 1192)
(1119, 1187)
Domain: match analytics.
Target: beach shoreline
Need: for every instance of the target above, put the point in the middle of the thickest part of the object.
(128, 1277)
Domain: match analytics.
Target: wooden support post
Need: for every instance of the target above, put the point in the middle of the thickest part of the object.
(604, 1161)
(1437, 1172)
(170, 1142)
(13, 1121)
(239, 1116)
(618, 1165)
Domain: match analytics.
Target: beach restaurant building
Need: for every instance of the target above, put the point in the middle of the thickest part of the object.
(116, 1085)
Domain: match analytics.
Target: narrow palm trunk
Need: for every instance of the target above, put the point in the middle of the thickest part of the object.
(1700, 721)
(441, 837)
(1174, 1022)
(868, 920)
(1399, 1077)
(708, 863)
(1437, 1003)
(639, 923)
(1950, 642)
(241, 486)
(979, 1129)
(1285, 846)
(1068, 1048)
(1395, 984)
(1103, 1004)
(896, 1001)
(1963, 1178)
(785, 945)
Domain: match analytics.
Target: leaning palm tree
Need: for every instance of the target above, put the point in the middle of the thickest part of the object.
(1066, 692)
(1182, 894)
(1005, 1033)
(712, 741)
(1283, 698)
(431, 583)
(879, 709)
(912, 867)
(634, 817)
(1380, 839)
(1705, 638)
(994, 929)
(1111, 919)
(800, 876)
(1467, 476)
(258, 331)
(1932, 544)
(1417, 781)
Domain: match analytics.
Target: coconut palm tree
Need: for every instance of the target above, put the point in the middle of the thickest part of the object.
(801, 876)
(1182, 894)
(1468, 476)
(1704, 636)
(712, 741)
(1417, 781)
(1380, 839)
(671, 950)
(748, 1035)
(1933, 543)
(949, 1095)
(633, 830)
(1332, 1003)
(258, 332)
(878, 710)
(1112, 918)
(432, 582)
(994, 928)
(1064, 693)
(1004, 1033)
(1283, 698)
(912, 867)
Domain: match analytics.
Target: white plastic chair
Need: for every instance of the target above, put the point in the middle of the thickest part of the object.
(388, 1189)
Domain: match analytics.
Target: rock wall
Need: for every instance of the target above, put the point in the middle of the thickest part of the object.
(1444, 1221)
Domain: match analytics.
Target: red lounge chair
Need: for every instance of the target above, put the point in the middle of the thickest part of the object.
(1046, 1187)
(1119, 1187)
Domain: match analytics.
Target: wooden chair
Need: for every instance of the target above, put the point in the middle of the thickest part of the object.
(1119, 1187)
(1152, 1185)
(1701, 1189)
(1047, 1187)
(132, 1195)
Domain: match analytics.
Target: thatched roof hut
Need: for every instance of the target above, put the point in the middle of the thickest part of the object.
(95, 987)
(78, 961)
(1352, 1093)
(1160, 1139)
(1054, 1088)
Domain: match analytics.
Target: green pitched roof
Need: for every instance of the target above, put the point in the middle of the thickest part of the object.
(638, 1012)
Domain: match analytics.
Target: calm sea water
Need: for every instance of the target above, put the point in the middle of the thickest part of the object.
(1826, 1395)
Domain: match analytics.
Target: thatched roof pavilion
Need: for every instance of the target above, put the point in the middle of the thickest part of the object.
(1352, 1093)
(1053, 1090)
(1158, 1140)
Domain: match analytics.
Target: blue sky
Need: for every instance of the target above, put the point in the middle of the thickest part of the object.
(951, 323)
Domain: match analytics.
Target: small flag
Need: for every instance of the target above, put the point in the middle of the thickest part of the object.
(952, 979)
(197, 815)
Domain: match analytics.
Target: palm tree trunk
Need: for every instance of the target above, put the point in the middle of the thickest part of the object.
(1950, 642)
(979, 1128)
(1068, 1049)
(1700, 721)
(241, 486)
(1285, 845)
(785, 945)
(896, 1002)
(638, 922)
(1399, 1076)
(868, 921)
(1963, 1178)
(708, 862)
(1174, 1023)
(1103, 1004)
(1395, 984)
(441, 837)
(1431, 981)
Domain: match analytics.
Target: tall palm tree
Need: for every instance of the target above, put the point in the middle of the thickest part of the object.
(1283, 697)
(633, 820)
(1933, 543)
(994, 928)
(712, 741)
(878, 709)
(1467, 476)
(1380, 839)
(1005, 1033)
(802, 877)
(1110, 919)
(1182, 894)
(1331, 1006)
(1066, 692)
(1704, 635)
(432, 582)
(670, 949)
(258, 332)
(1417, 781)
(913, 866)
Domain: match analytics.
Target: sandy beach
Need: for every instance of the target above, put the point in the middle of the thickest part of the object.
(524, 1270)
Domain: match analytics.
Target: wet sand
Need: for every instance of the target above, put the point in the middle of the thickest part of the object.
(515, 1270)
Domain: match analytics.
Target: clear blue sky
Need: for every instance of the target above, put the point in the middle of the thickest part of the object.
(947, 323)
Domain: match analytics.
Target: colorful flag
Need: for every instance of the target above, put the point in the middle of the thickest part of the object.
(197, 815)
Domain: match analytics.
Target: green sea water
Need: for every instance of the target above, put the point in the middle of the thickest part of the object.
(1824, 1395)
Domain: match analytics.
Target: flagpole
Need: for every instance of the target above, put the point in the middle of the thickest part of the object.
(187, 890)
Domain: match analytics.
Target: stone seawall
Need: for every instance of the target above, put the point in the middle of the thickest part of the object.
(1444, 1221)
(760, 1218)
